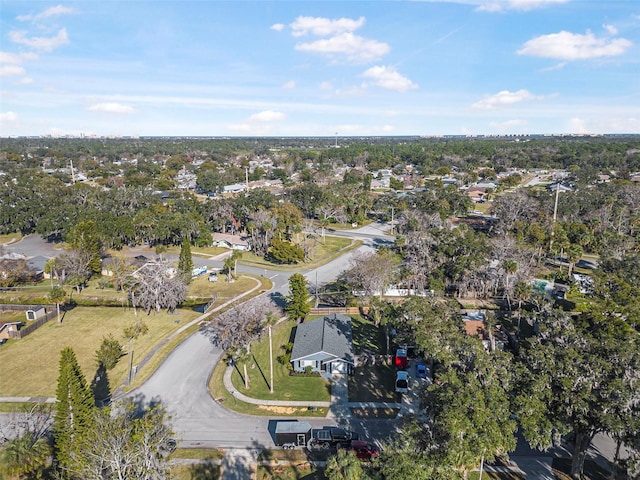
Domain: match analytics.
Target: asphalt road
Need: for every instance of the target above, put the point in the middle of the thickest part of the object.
(180, 382)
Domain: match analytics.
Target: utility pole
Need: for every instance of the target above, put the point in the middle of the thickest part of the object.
(270, 362)
(555, 216)
(316, 288)
(392, 212)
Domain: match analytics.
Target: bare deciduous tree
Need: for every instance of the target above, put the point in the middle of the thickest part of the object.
(157, 285)
(235, 329)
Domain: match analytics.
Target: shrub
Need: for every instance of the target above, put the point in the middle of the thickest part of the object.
(109, 352)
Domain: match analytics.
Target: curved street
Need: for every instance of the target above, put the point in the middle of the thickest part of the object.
(180, 382)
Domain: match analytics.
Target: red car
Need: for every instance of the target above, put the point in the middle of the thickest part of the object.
(364, 450)
(401, 360)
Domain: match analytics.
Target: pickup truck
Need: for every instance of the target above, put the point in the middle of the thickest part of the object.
(328, 437)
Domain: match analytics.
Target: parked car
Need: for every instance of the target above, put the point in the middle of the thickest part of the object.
(401, 359)
(402, 381)
(587, 264)
(364, 450)
(421, 370)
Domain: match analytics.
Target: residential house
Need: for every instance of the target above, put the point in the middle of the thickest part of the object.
(477, 194)
(233, 242)
(475, 326)
(324, 345)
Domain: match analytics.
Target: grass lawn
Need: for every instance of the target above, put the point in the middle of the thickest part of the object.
(300, 471)
(197, 471)
(324, 252)
(285, 387)
(9, 238)
(370, 382)
(367, 337)
(201, 287)
(197, 453)
(222, 395)
(30, 365)
(12, 316)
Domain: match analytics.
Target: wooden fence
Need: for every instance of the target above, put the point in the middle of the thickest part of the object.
(33, 325)
(342, 310)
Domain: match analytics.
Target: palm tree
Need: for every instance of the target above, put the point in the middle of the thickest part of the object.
(57, 296)
(24, 456)
(574, 253)
(522, 292)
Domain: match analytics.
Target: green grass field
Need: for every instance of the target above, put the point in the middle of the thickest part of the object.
(30, 365)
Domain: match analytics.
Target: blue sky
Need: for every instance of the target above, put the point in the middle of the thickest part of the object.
(319, 68)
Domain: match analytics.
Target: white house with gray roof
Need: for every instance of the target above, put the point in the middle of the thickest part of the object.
(324, 345)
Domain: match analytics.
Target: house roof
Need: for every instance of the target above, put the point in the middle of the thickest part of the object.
(330, 335)
(230, 239)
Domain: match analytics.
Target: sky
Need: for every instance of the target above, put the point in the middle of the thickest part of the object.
(319, 68)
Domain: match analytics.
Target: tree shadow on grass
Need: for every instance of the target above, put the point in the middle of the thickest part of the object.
(204, 471)
(255, 360)
(100, 387)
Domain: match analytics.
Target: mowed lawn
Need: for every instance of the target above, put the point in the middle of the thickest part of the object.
(30, 365)
(285, 387)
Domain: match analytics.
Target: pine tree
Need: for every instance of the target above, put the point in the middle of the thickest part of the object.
(297, 302)
(185, 262)
(85, 238)
(74, 408)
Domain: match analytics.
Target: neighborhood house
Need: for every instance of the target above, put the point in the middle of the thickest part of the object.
(324, 345)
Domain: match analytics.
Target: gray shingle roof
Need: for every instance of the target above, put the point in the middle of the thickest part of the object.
(331, 335)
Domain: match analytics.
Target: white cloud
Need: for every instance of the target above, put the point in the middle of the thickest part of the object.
(289, 85)
(26, 81)
(7, 117)
(111, 108)
(611, 29)
(278, 27)
(11, 70)
(6, 57)
(574, 46)
(504, 98)
(347, 45)
(524, 5)
(389, 78)
(49, 12)
(45, 44)
(326, 85)
(578, 125)
(267, 116)
(324, 26)
(250, 129)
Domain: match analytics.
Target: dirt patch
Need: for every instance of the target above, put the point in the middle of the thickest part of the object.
(280, 410)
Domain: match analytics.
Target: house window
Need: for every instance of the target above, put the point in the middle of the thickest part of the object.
(307, 363)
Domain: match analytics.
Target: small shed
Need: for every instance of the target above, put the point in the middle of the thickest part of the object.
(35, 313)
